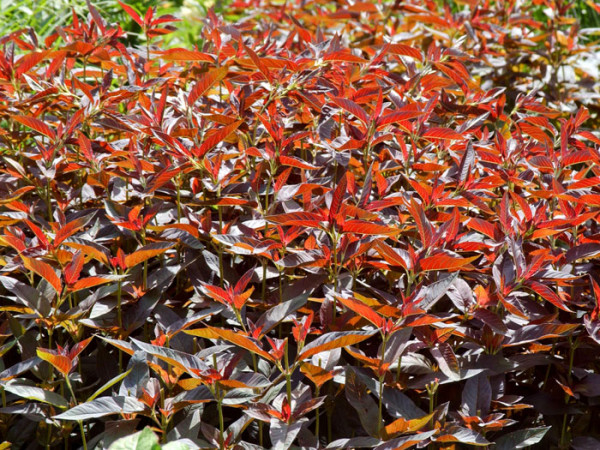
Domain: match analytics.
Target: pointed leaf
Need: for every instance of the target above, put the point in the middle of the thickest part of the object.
(444, 262)
(103, 406)
(59, 362)
(334, 340)
(35, 393)
(37, 125)
(147, 252)
(362, 310)
(45, 271)
(353, 108)
(238, 339)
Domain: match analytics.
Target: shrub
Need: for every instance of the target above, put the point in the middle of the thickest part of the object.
(332, 224)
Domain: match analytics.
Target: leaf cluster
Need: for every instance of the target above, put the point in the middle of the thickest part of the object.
(330, 225)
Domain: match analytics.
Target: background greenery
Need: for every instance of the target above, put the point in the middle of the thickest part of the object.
(45, 15)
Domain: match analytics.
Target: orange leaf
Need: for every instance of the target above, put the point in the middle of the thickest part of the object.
(362, 310)
(88, 282)
(36, 124)
(368, 228)
(316, 374)
(300, 218)
(181, 54)
(215, 137)
(45, 271)
(61, 363)
(205, 82)
(236, 338)
(444, 262)
(333, 340)
(548, 294)
(441, 133)
(352, 107)
(406, 50)
(145, 253)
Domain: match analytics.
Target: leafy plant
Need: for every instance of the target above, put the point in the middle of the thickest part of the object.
(326, 225)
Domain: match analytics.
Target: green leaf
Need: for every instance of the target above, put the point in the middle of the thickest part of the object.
(142, 440)
(109, 384)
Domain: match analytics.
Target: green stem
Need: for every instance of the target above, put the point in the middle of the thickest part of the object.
(119, 321)
(48, 203)
(288, 377)
(221, 420)
(563, 433)
(80, 421)
(145, 273)
(264, 281)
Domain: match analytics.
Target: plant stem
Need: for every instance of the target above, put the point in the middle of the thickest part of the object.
(48, 203)
(563, 432)
(81, 429)
(288, 376)
(119, 321)
(381, 383)
(221, 420)
(317, 420)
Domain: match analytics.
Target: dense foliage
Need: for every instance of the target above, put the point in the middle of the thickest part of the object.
(331, 224)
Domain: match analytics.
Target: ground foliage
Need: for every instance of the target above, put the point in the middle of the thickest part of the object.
(341, 225)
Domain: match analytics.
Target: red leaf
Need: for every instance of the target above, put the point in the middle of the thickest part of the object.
(362, 310)
(73, 269)
(235, 337)
(258, 63)
(301, 219)
(548, 294)
(295, 162)
(338, 196)
(441, 133)
(79, 347)
(132, 13)
(368, 228)
(45, 271)
(181, 54)
(391, 256)
(30, 60)
(241, 284)
(61, 363)
(332, 341)
(218, 294)
(88, 282)
(423, 225)
(444, 262)
(37, 125)
(343, 55)
(205, 82)
(352, 108)
(406, 50)
(397, 116)
(215, 137)
(164, 177)
(69, 229)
